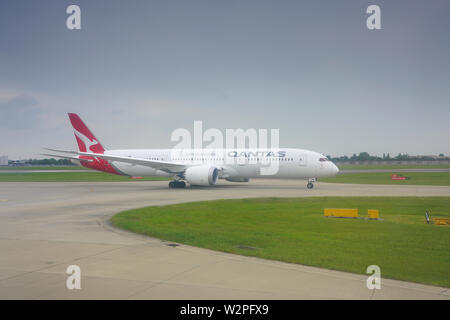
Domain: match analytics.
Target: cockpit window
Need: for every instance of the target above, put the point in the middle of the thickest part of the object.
(323, 159)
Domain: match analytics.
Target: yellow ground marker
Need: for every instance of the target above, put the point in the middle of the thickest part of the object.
(340, 213)
(373, 214)
(441, 221)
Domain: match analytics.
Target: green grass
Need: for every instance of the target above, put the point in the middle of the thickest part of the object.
(295, 230)
(416, 178)
(393, 166)
(68, 177)
(43, 168)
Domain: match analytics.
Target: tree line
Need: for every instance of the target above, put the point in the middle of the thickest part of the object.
(365, 156)
(44, 162)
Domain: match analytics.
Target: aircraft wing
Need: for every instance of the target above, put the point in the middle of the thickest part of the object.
(169, 167)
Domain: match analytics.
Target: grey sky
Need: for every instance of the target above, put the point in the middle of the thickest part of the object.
(137, 70)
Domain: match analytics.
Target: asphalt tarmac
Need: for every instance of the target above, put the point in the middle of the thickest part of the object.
(45, 227)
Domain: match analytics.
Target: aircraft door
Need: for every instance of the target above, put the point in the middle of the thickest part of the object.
(302, 160)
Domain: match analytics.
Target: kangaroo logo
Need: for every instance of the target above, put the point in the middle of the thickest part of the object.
(86, 141)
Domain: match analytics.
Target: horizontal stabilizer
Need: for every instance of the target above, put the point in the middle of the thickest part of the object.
(67, 157)
(63, 151)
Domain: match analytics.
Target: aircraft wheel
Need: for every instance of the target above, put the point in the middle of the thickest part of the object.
(180, 184)
(310, 185)
(177, 184)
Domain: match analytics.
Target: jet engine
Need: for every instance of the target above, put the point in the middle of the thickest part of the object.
(201, 175)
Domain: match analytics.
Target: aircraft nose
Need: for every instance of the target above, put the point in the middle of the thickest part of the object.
(334, 169)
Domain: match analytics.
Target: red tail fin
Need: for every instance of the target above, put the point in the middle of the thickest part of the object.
(86, 140)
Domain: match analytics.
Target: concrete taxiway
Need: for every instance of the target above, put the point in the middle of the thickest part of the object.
(45, 227)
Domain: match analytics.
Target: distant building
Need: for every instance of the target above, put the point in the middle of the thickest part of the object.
(3, 160)
(17, 163)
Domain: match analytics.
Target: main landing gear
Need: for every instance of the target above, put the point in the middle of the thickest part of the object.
(177, 184)
(310, 183)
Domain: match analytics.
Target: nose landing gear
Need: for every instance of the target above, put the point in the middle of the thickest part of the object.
(177, 184)
(310, 184)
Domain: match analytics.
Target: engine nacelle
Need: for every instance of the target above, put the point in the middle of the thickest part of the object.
(238, 179)
(202, 175)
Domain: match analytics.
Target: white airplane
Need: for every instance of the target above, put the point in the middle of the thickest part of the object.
(198, 167)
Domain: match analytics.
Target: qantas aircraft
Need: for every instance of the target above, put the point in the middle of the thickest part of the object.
(198, 167)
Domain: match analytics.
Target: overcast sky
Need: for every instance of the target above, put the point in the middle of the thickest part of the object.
(137, 70)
